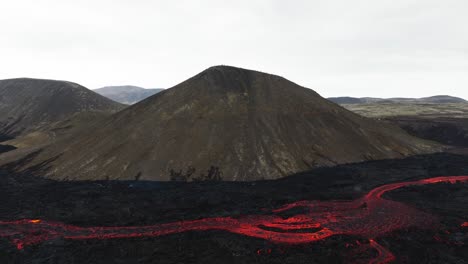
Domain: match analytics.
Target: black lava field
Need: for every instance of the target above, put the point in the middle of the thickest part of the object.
(395, 211)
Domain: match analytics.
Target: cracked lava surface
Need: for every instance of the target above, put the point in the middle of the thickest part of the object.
(369, 217)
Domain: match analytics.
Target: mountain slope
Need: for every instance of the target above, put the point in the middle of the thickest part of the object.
(127, 94)
(240, 125)
(28, 105)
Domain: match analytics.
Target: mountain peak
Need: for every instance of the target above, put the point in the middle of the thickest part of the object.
(28, 104)
(232, 71)
(225, 79)
(226, 68)
(40, 83)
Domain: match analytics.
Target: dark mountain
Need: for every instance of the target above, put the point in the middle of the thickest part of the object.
(28, 105)
(127, 94)
(225, 123)
(438, 99)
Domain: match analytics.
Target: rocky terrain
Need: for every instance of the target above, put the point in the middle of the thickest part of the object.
(127, 94)
(446, 123)
(225, 123)
(450, 131)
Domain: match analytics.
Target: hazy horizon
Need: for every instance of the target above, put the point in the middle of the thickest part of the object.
(364, 48)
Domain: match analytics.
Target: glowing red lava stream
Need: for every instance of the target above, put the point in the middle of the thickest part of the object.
(370, 217)
(384, 256)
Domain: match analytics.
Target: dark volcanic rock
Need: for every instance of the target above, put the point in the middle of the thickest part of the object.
(226, 123)
(119, 203)
(448, 131)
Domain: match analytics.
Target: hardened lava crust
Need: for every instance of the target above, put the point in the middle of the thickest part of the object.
(391, 211)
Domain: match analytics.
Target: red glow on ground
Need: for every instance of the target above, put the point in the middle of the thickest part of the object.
(369, 217)
(384, 256)
(465, 224)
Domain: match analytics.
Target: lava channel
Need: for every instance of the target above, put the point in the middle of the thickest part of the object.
(369, 217)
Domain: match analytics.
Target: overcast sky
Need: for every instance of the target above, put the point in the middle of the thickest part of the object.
(381, 48)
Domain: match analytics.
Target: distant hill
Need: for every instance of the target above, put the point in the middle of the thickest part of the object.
(127, 94)
(442, 99)
(438, 99)
(224, 123)
(28, 105)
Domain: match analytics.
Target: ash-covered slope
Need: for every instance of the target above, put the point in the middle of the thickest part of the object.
(244, 125)
(127, 94)
(30, 104)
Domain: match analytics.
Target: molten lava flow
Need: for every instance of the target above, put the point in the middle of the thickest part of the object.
(384, 256)
(370, 216)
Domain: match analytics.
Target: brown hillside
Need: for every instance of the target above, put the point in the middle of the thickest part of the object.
(28, 105)
(250, 125)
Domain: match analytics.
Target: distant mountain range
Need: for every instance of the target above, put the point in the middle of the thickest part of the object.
(28, 105)
(127, 94)
(225, 123)
(438, 99)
